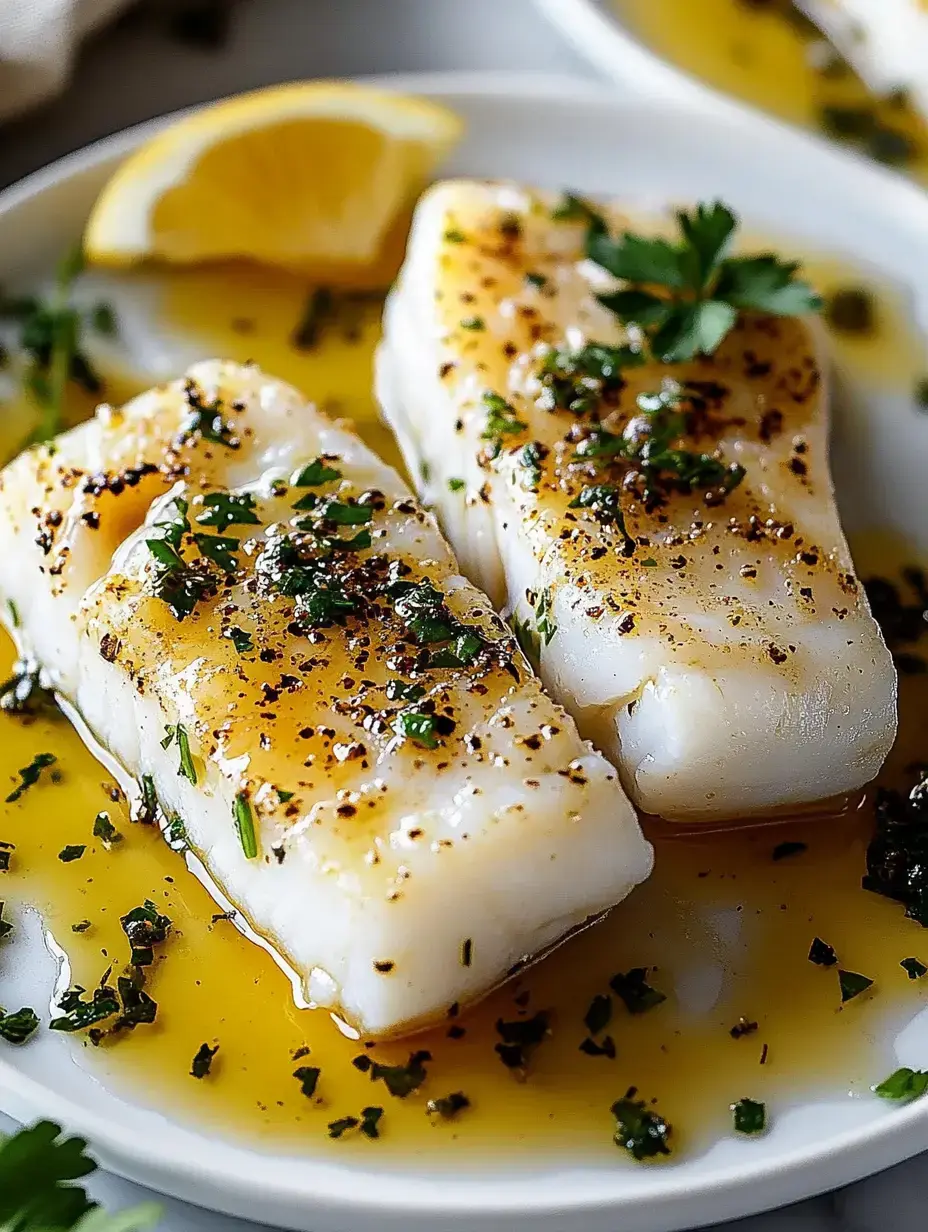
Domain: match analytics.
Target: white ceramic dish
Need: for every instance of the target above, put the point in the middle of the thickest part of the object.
(553, 133)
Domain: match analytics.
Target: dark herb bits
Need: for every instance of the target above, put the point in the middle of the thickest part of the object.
(640, 1130)
(852, 984)
(202, 1063)
(749, 1116)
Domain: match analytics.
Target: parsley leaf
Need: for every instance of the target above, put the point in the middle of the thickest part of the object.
(702, 289)
(177, 733)
(308, 1077)
(316, 473)
(852, 985)
(105, 831)
(202, 1063)
(749, 1116)
(241, 639)
(17, 1027)
(913, 968)
(37, 1193)
(225, 509)
(29, 775)
(638, 1130)
(418, 727)
(400, 1080)
(903, 1085)
(632, 988)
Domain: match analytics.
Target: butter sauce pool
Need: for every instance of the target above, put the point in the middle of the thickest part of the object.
(723, 928)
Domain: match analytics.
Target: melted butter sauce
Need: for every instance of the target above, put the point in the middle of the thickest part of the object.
(725, 929)
(761, 56)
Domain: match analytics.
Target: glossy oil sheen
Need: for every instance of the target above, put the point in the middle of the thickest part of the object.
(755, 53)
(723, 927)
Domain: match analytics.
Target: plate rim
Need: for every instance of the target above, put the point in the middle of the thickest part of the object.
(725, 1192)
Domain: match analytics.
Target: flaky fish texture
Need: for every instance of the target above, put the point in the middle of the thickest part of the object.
(332, 718)
(715, 643)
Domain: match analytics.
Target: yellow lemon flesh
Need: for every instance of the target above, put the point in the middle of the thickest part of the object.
(317, 177)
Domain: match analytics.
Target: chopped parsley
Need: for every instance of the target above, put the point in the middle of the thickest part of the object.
(644, 1134)
(245, 826)
(341, 514)
(457, 485)
(177, 734)
(370, 1121)
(543, 622)
(603, 500)
(50, 335)
(502, 420)
(454, 236)
(594, 1048)
(308, 1077)
(475, 324)
(852, 984)
(145, 927)
(175, 582)
(105, 831)
(340, 1127)
(400, 1080)
(316, 473)
(220, 549)
(448, 1106)
(418, 727)
(520, 1038)
(577, 380)
(572, 208)
(749, 1116)
(147, 809)
(635, 992)
(702, 289)
(29, 775)
(225, 509)
(82, 926)
(73, 851)
(822, 954)
(599, 1015)
(203, 1061)
(913, 968)
(6, 852)
(79, 1012)
(921, 394)
(240, 639)
(206, 420)
(17, 1027)
(903, 1085)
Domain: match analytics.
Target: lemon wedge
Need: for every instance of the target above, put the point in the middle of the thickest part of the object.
(317, 177)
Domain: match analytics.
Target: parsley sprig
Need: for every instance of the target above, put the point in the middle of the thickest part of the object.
(686, 295)
(38, 1169)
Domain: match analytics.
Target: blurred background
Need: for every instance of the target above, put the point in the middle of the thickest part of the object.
(159, 55)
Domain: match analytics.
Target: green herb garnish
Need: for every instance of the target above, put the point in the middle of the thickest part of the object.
(105, 831)
(340, 1127)
(638, 1130)
(206, 420)
(24, 693)
(913, 968)
(404, 691)
(341, 514)
(903, 1085)
(241, 640)
(543, 622)
(502, 419)
(245, 826)
(225, 509)
(203, 1061)
(852, 985)
(370, 1121)
(308, 1078)
(603, 500)
(145, 927)
(418, 727)
(316, 473)
(448, 1106)
(78, 1013)
(520, 1038)
(400, 1080)
(633, 989)
(822, 954)
(38, 1169)
(29, 775)
(177, 733)
(475, 324)
(72, 852)
(749, 1116)
(6, 852)
(577, 380)
(457, 485)
(703, 290)
(17, 1027)
(599, 1015)
(148, 802)
(175, 583)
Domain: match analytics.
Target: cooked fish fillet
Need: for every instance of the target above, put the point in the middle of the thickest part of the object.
(720, 650)
(355, 748)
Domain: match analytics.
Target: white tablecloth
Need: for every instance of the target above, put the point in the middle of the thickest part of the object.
(136, 72)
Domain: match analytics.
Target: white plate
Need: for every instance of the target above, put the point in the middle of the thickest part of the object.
(556, 134)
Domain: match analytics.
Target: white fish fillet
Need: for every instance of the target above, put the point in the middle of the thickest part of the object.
(394, 879)
(729, 665)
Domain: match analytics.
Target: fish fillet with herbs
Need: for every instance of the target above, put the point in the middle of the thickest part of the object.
(284, 653)
(625, 438)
